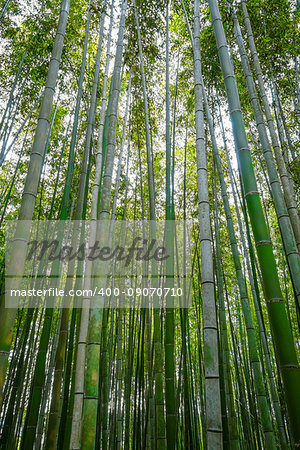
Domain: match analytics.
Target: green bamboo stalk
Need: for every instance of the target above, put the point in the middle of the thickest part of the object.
(210, 328)
(53, 425)
(62, 411)
(160, 429)
(40, 367)
(281, 331)
(18, 252)
(21, 153)
(286, 131)
(104, 403)
(253, 348)
(81, 348)
(169, 240)
(10, 120)
(286, 229)
(232, 421)
(94, 334)
(12, 91)
(256, 298)
(69, 176)
(189, 438)
(2, 158)
(283, 173)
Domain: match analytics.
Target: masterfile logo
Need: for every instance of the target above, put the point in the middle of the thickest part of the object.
(106, 263)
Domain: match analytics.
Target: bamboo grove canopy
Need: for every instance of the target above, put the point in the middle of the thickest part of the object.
(178, 120)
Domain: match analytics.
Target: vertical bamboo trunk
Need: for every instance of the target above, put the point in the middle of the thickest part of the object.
(21, 153)
(297, 102)
(69, 176)
(11, 145)
(160, 428)
(147, 125)
(229, 399)
(169, 318)
(189, 438)
(286, 130)
(94, 333)
(18, 251)
(33, 409)
(81, 348)
(263, 407)
(283, 173)
(105, 372)
(10, 120)
(12, 91)
(286, 229)
(120, 333)
(281, 331)
(63, 336)
(210, 328)
(256, 300)
(40, 366)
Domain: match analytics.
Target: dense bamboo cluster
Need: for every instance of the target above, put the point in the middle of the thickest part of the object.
(158, 111)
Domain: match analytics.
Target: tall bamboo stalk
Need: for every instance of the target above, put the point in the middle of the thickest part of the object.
(18, 250)
(62, 343)
(281, 331)
(160, 428)
(210, 327)
(265, 413)
(256, 299)
(283, 173)
(94, 334)
(286, 229)
(81, 346)
(169, 239)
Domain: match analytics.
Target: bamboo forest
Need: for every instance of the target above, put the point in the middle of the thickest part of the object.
(162, 137)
